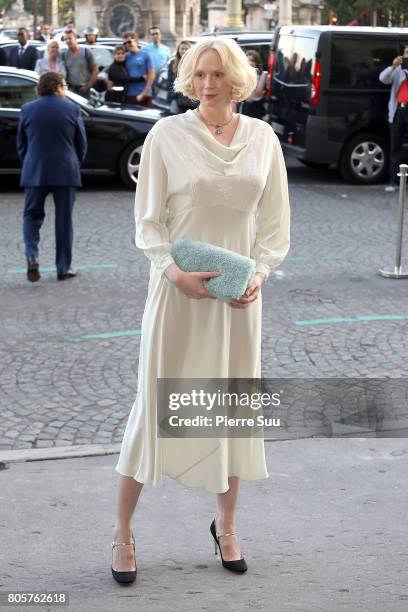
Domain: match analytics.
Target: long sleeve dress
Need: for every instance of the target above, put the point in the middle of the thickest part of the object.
(192, 186)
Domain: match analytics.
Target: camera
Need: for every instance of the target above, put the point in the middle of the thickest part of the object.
(404, 63)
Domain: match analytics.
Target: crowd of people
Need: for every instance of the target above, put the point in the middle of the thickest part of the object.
(132, 72)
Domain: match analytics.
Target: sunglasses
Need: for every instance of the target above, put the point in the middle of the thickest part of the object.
(128, 42)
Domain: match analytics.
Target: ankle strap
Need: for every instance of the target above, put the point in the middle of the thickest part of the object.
(220, 535)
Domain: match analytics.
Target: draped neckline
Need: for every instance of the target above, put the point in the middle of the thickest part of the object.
(227, 153)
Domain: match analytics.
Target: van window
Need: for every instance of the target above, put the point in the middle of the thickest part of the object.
(261, 48)
(295, 59)
(356, 64)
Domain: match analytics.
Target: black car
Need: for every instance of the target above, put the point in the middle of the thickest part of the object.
(115, 135)
(327, 104)
(255, 41)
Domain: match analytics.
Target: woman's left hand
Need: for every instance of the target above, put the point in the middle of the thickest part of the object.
(251, 293)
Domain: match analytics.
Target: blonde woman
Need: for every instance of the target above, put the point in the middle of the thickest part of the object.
(52, 61)
(211, 175)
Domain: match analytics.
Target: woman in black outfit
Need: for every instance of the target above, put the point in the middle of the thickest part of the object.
(118, 78)
(178, 102)
(254, 105)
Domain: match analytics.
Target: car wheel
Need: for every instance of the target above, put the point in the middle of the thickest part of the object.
(364, 159)
(129, 164)
(311, 164)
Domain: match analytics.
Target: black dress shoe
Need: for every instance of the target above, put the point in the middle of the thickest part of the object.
(237, 565)
(33, 269)
(70, 274)
(124, 577)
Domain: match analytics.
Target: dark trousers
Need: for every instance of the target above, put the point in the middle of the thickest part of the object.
(34, 215)
(253, 109)
(399, 130)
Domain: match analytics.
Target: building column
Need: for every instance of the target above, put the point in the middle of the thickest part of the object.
(234, 14)
(167, 20)
(285, 12)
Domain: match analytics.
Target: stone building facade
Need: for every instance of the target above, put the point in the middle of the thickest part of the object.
(264, 14)
(16, 16)
(176, 18)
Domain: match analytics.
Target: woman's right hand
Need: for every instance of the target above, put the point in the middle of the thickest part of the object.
(190, 283)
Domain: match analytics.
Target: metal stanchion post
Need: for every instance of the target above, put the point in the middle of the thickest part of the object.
(397, 271)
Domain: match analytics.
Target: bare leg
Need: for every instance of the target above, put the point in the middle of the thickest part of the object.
(129, 490)
(225, 519)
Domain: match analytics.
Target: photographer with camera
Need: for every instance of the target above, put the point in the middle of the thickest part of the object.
(397, 76)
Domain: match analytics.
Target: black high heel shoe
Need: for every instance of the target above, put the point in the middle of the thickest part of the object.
(124, 576)
(237, 565)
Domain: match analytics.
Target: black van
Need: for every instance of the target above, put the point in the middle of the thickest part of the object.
(327, 104)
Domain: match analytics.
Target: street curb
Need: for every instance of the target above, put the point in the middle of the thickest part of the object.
(95, 450)
(62, 452)
(58, 452)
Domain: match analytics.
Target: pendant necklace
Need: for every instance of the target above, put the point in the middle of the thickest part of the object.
(218, 127)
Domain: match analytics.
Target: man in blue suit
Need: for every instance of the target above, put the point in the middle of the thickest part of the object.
(23, 55)
(51, 143)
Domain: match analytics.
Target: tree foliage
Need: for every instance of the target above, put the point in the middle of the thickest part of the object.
(388, 12)
(5, 5)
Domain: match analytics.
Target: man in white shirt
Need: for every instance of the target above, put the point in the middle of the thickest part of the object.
(159, 53)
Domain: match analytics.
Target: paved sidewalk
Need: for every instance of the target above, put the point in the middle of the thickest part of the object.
(325, 533)
(69, 351)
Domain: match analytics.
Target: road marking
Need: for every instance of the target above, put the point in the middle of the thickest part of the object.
(84, 267)
(106, 335)
(403, 317)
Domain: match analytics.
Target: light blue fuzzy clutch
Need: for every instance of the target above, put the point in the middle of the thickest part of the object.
(236, 270)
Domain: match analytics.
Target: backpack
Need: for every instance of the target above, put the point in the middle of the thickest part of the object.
(85, 52)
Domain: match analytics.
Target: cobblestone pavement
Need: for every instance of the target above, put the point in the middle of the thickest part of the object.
(68, 352)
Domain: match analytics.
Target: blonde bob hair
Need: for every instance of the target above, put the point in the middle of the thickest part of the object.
(240, 73)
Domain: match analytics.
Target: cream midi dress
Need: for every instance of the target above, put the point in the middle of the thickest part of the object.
(236, 197)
